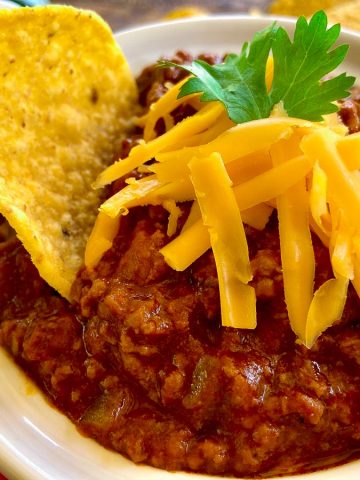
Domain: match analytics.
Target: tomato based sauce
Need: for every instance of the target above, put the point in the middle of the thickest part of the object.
(141, 363)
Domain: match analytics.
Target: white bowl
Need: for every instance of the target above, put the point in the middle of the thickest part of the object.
(7, 5)
(37, 442)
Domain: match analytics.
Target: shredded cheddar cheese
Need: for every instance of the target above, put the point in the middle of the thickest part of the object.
(326, 308)
(101, 238)
(271, 183)
(221, 216)
(341, 245)
(236, 175)
(349, 150)
(318, 199)
(257, 216)
(146, 151)
(193, 217)
(247, 137)
(161, 109)
(193, 242)
(297, 256)
(251, 194)
(343, 188)
(132, 195)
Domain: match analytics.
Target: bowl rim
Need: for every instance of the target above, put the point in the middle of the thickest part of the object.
(8, 4)
(219, 17)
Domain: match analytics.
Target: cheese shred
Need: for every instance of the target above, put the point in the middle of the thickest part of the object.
(221, 216)
(236, 175)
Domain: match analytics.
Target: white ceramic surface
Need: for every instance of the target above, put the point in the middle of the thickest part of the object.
(7, 5)
(37, 442)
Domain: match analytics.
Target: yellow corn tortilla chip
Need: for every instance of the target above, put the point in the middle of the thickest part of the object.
(66, 93)
(190, 11)
(348, 15)
(302, 7)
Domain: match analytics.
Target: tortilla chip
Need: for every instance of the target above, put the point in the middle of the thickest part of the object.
(66, 95)
(185, 12)
(348, 15)
(302, 7)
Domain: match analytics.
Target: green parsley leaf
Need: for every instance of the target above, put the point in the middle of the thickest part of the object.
(299, 69)
(239, 82)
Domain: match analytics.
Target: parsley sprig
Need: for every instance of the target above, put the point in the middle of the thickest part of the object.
(299, 70)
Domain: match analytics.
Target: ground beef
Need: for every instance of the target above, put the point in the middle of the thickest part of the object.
(141, 362)
(143, 365)
(350, 111)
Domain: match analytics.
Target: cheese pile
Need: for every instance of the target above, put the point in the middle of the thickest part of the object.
(236, 174)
